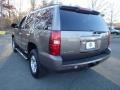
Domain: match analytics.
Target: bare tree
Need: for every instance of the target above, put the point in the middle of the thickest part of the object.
(93, 3)
(99, 5)
(32, 4)
(44, 3)
(1, 7)
(40, 4)
(52, 2)
(111, 11)
(5, 6)
(114, 13)
(5, 12)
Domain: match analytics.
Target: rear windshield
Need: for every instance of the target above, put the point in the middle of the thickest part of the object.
(71, 20)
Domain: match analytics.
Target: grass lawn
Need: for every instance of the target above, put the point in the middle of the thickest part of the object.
(2, 32)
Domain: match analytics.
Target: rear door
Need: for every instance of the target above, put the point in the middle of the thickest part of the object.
(27, 27)
(42, 28)
(82, 34)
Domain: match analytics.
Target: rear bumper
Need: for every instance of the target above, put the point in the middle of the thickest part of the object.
(56, 63)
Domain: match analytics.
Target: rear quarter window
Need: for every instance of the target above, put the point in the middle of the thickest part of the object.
(43, 19)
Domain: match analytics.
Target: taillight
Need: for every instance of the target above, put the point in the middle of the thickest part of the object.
(108, 39)
(54, 43)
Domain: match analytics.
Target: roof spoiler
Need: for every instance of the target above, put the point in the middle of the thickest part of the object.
(80, 10)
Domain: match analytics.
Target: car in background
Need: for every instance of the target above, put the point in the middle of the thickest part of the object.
(115, 31)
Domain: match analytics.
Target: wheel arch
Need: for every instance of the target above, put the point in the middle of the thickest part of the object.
(31, 46)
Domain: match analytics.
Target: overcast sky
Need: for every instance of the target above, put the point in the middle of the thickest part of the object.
(25, 5)
(83, 3)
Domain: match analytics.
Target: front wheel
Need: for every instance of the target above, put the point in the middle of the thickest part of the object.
(36, 68)
(117, 33)
(13, 45)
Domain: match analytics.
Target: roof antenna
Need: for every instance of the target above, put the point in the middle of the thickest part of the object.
(56, 2)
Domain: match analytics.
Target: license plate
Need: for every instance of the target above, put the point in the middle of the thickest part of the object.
(90, 45)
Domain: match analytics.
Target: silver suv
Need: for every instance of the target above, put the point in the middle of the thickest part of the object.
(61, 38)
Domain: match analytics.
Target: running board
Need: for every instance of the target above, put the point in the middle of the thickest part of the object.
(21, 53)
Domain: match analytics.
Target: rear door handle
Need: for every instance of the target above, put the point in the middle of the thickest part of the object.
(28, 34)
(20, 33)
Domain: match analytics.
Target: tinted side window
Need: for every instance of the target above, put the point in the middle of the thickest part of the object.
(43, 19)
(29, 21)
(71, 20)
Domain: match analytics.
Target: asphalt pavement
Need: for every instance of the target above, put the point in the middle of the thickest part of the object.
(15, 73)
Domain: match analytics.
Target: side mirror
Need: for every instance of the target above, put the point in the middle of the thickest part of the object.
(14, 25)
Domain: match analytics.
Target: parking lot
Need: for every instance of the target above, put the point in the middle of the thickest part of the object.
(15, 74)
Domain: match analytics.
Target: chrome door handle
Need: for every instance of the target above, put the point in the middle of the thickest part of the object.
(28, 34)
(20, 33)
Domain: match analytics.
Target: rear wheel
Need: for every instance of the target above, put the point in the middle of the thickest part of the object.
(36, 68)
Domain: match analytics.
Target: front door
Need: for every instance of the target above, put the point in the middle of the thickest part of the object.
(18, 33)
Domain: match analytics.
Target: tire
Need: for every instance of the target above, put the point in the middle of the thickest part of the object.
(117, 33)
(14, 46)
(36, 68)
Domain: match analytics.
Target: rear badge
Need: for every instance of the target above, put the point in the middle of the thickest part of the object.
(75, 67)
(90, 45)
